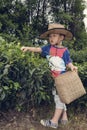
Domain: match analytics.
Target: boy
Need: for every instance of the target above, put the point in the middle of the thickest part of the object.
(59, 58)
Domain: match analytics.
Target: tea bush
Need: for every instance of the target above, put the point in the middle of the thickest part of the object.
(24, 77)
(79, 56)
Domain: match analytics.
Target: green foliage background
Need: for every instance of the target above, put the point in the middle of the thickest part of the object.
(24, 77)
(25, 80)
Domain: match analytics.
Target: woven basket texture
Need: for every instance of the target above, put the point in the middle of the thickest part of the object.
(69, 87)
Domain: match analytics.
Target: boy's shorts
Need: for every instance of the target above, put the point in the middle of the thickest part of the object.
(59, 104)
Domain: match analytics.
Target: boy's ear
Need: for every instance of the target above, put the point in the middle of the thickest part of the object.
(62, 37)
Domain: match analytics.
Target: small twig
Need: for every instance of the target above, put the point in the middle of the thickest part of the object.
(3, 115)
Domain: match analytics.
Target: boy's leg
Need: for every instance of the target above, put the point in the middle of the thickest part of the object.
(64, 116)
(57, 115)
(58, 111)
(60, 108)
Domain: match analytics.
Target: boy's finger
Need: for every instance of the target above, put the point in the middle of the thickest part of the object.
(22, 48)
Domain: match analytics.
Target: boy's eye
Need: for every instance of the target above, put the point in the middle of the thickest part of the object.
(54, 35)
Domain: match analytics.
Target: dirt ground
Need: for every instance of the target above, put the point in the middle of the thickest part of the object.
(13, 120)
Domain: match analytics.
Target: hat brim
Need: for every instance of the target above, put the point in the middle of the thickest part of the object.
(68, 35)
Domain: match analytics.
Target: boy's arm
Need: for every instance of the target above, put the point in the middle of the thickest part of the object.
(31, 49)
(72, 67)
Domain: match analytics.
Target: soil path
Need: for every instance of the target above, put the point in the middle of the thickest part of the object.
(24, 121)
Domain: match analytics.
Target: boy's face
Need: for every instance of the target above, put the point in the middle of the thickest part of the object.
(55, 39)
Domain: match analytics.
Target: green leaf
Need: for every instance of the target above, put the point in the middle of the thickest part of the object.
(2, 96)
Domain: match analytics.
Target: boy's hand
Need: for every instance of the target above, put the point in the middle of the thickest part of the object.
(24, 49)
(31, 49)
(72, 67)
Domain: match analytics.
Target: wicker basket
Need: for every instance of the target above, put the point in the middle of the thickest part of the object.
(69, 87)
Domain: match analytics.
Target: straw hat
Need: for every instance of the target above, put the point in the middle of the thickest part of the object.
(57, 28)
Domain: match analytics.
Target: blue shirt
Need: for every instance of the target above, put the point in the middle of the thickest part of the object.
(58, 58)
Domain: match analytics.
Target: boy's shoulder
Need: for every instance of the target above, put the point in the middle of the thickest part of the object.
(46, 45)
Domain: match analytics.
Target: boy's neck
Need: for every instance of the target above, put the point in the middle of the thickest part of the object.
(59, 45)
